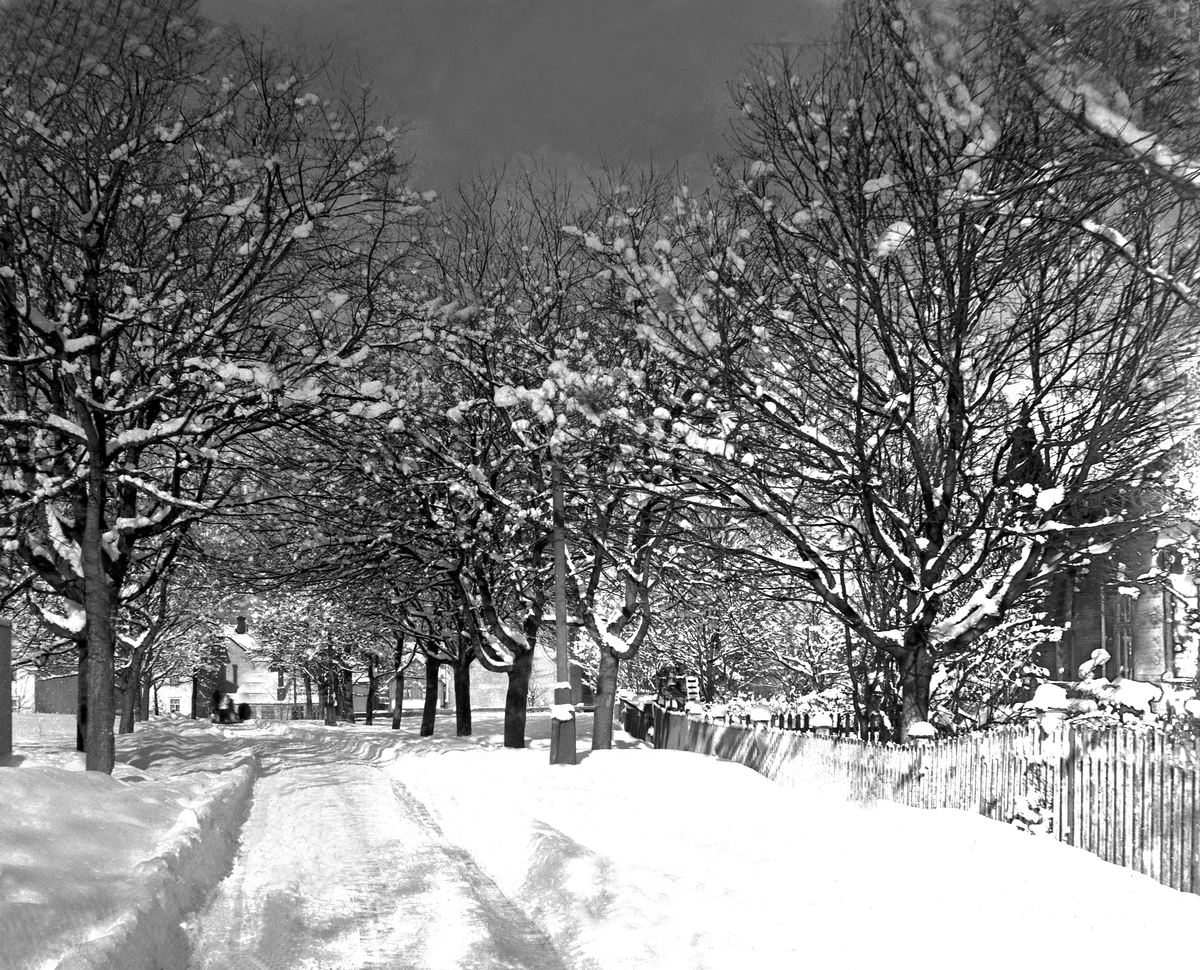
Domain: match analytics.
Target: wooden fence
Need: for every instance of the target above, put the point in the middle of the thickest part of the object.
(287, 712)
(633, 715)
(1128, 794)
(843, 724)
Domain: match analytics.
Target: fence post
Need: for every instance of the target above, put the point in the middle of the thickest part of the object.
(6, 686)
(1193, 818)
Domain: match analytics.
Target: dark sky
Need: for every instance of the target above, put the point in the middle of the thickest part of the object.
(480, 80)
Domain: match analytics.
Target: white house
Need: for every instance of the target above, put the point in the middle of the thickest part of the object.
(246, 680)
(488, 689)
(22, 690)
(174, 698)
(240, 678)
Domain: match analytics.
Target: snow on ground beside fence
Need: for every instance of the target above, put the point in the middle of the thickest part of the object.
(676, 860)
(1128, 793)
(632, 858)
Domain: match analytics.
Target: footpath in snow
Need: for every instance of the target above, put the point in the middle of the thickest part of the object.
(340, 867)
(300, 846)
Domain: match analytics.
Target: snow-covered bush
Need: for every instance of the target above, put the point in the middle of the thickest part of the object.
(993, 680)
(1032, 814)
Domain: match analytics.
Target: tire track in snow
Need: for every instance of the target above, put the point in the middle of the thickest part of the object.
(517, 937)
(340, 868)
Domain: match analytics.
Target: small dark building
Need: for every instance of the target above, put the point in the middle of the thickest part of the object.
(56, 694)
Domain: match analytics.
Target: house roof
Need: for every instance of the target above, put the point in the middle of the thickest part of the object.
(245, 643)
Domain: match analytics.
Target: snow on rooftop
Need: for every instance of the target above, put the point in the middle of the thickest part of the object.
(243, 640)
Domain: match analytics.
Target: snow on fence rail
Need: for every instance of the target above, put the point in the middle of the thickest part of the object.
(1128, 794)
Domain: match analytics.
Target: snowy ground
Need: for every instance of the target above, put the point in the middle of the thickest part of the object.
(301, 846)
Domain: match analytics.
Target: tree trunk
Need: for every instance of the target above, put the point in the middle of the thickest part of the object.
(101, 699)
(308, 704)
(98, 602)
(916, 674)
(133, 684)
(431, 697)
(397, 699)
(329, 695)
(347, 684)
(606, 695)
(143, 711)
(462, 699)
(371, 690)
(81, 699)
(516, 700)
(397, 685)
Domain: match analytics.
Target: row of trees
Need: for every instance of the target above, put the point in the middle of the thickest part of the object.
(917, 350)
(196, 237)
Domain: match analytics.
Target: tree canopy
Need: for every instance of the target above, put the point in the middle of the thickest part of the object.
(834, 424)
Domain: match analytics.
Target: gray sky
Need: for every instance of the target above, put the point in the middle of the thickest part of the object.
(480, 80)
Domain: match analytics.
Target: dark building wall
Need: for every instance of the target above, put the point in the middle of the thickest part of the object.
(381, 696)
(1104, 605)
(56, 695)
(1151, 658)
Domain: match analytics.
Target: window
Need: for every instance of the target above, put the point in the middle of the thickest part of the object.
(174, 705)
(1117, 631)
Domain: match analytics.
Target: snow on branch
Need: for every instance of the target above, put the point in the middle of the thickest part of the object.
(988, 603)
(73, 623)
(174, 500)
(1115, 240)
(618, 645)
(1087, 105)
(68, 428)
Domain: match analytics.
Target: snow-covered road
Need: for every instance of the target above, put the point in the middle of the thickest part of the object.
(340, 867)
(358, 846)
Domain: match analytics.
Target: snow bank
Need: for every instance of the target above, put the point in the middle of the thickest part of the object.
(675, 860)
(99, 871)
(632, 858)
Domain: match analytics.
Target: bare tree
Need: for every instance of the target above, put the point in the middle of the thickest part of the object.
(905, 349)
(193, 242)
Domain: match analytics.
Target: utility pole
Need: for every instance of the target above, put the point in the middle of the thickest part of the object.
(562, 723)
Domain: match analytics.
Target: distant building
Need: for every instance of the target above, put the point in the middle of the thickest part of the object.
(1135, 602)
(489, 689)
(173, 698)
(56, 693)
(245, 679)
(234, 672)
(24, 684)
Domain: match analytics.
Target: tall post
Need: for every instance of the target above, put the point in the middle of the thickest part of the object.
(562, 723)
(6, 686)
